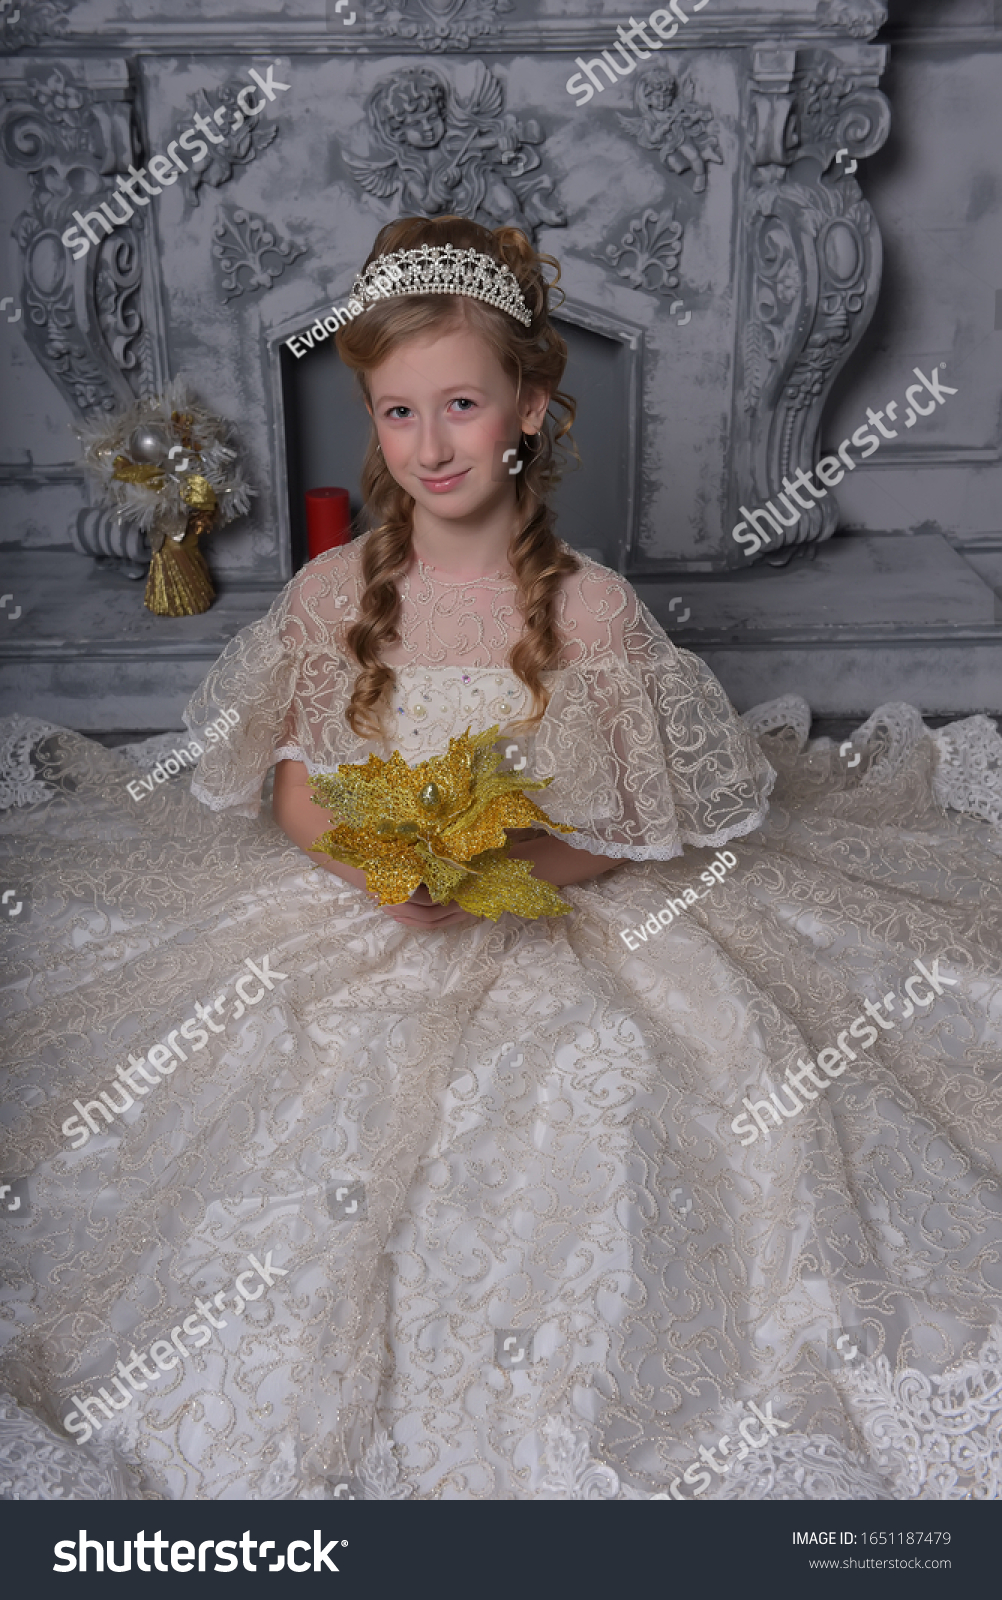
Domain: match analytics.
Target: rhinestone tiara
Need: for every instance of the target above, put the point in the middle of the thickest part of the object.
(441, 269)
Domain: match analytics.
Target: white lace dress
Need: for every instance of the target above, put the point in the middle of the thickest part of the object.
(304, 1203)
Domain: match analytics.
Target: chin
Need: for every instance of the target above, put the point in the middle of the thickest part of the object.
(447, 509)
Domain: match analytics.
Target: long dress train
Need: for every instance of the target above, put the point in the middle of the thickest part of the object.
(310, 1204)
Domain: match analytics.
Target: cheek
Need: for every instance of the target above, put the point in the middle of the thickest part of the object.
(394, 447)
(486, 436)
(501, 428)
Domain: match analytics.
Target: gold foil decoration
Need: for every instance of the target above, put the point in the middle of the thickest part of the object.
(443, 823)
(198, 493)
(144, 472)
(179, 583)
(164, 466)
(184, 422)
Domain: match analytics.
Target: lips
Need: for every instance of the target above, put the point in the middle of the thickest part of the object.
(443, 485)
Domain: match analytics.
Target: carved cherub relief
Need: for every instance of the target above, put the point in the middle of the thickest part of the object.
(450, 154)
(670, 121)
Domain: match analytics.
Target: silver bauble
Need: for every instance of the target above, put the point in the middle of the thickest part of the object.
(149, 443)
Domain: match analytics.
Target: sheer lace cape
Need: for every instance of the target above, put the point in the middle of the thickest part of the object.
(644, 749)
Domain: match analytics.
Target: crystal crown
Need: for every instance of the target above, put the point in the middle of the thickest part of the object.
(441, 269)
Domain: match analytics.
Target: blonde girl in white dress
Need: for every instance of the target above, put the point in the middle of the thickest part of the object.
(639, 1201)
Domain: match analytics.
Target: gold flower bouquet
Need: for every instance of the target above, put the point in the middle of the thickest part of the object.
(441, 822)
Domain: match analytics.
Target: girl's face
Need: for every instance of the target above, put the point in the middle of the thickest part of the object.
(445, 411)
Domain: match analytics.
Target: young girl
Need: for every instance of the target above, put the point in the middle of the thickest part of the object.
(689, 1192)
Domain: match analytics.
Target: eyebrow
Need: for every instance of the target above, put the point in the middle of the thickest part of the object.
(461, 389)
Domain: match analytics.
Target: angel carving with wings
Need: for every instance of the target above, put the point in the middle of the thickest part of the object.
(672, 123)
(447, 154)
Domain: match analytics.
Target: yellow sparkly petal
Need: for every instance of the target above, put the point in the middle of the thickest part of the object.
(441, 877)
(510, 886)
(441, 822)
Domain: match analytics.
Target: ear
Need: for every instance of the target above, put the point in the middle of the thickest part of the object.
(532, 409)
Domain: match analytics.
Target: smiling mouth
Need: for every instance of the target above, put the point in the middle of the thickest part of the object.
(440, 485)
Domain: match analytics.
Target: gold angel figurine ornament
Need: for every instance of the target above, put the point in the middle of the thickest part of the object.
(166, 465)
(441, 822)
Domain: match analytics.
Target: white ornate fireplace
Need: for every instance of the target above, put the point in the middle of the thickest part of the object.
(722, 260)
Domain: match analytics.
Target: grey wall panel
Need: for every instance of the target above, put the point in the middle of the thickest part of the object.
(737, 297)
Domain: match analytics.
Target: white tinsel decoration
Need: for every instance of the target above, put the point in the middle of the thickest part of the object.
(137, 503)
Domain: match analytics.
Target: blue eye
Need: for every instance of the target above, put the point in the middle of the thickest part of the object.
(464, 403)
(394, 410)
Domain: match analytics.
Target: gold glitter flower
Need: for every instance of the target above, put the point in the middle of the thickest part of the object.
(441, 822)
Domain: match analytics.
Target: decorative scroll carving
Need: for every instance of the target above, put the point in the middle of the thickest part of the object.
(861, 18)
(83, 318)
(447, 24)
(811, 261)
(245, 137)
(839, 106)
(242, 241)
(27, 24)
(445, 154)
(117, 280)
(672, 122)
(656, 246)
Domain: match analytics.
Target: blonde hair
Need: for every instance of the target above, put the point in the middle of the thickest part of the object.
(534, 357)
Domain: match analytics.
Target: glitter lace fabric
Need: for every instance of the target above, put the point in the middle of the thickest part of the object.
(436, 1142)
(644, 749)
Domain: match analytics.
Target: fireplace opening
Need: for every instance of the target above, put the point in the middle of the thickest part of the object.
(326, 427)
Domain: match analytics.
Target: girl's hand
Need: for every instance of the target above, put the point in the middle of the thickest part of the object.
(421, 911)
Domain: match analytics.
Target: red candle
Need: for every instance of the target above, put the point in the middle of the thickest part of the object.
(328, 519)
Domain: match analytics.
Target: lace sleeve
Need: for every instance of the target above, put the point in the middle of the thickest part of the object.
(285, 682)
(645, 749)
(249, 694)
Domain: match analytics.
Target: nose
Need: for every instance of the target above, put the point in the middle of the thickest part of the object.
(435, 448)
